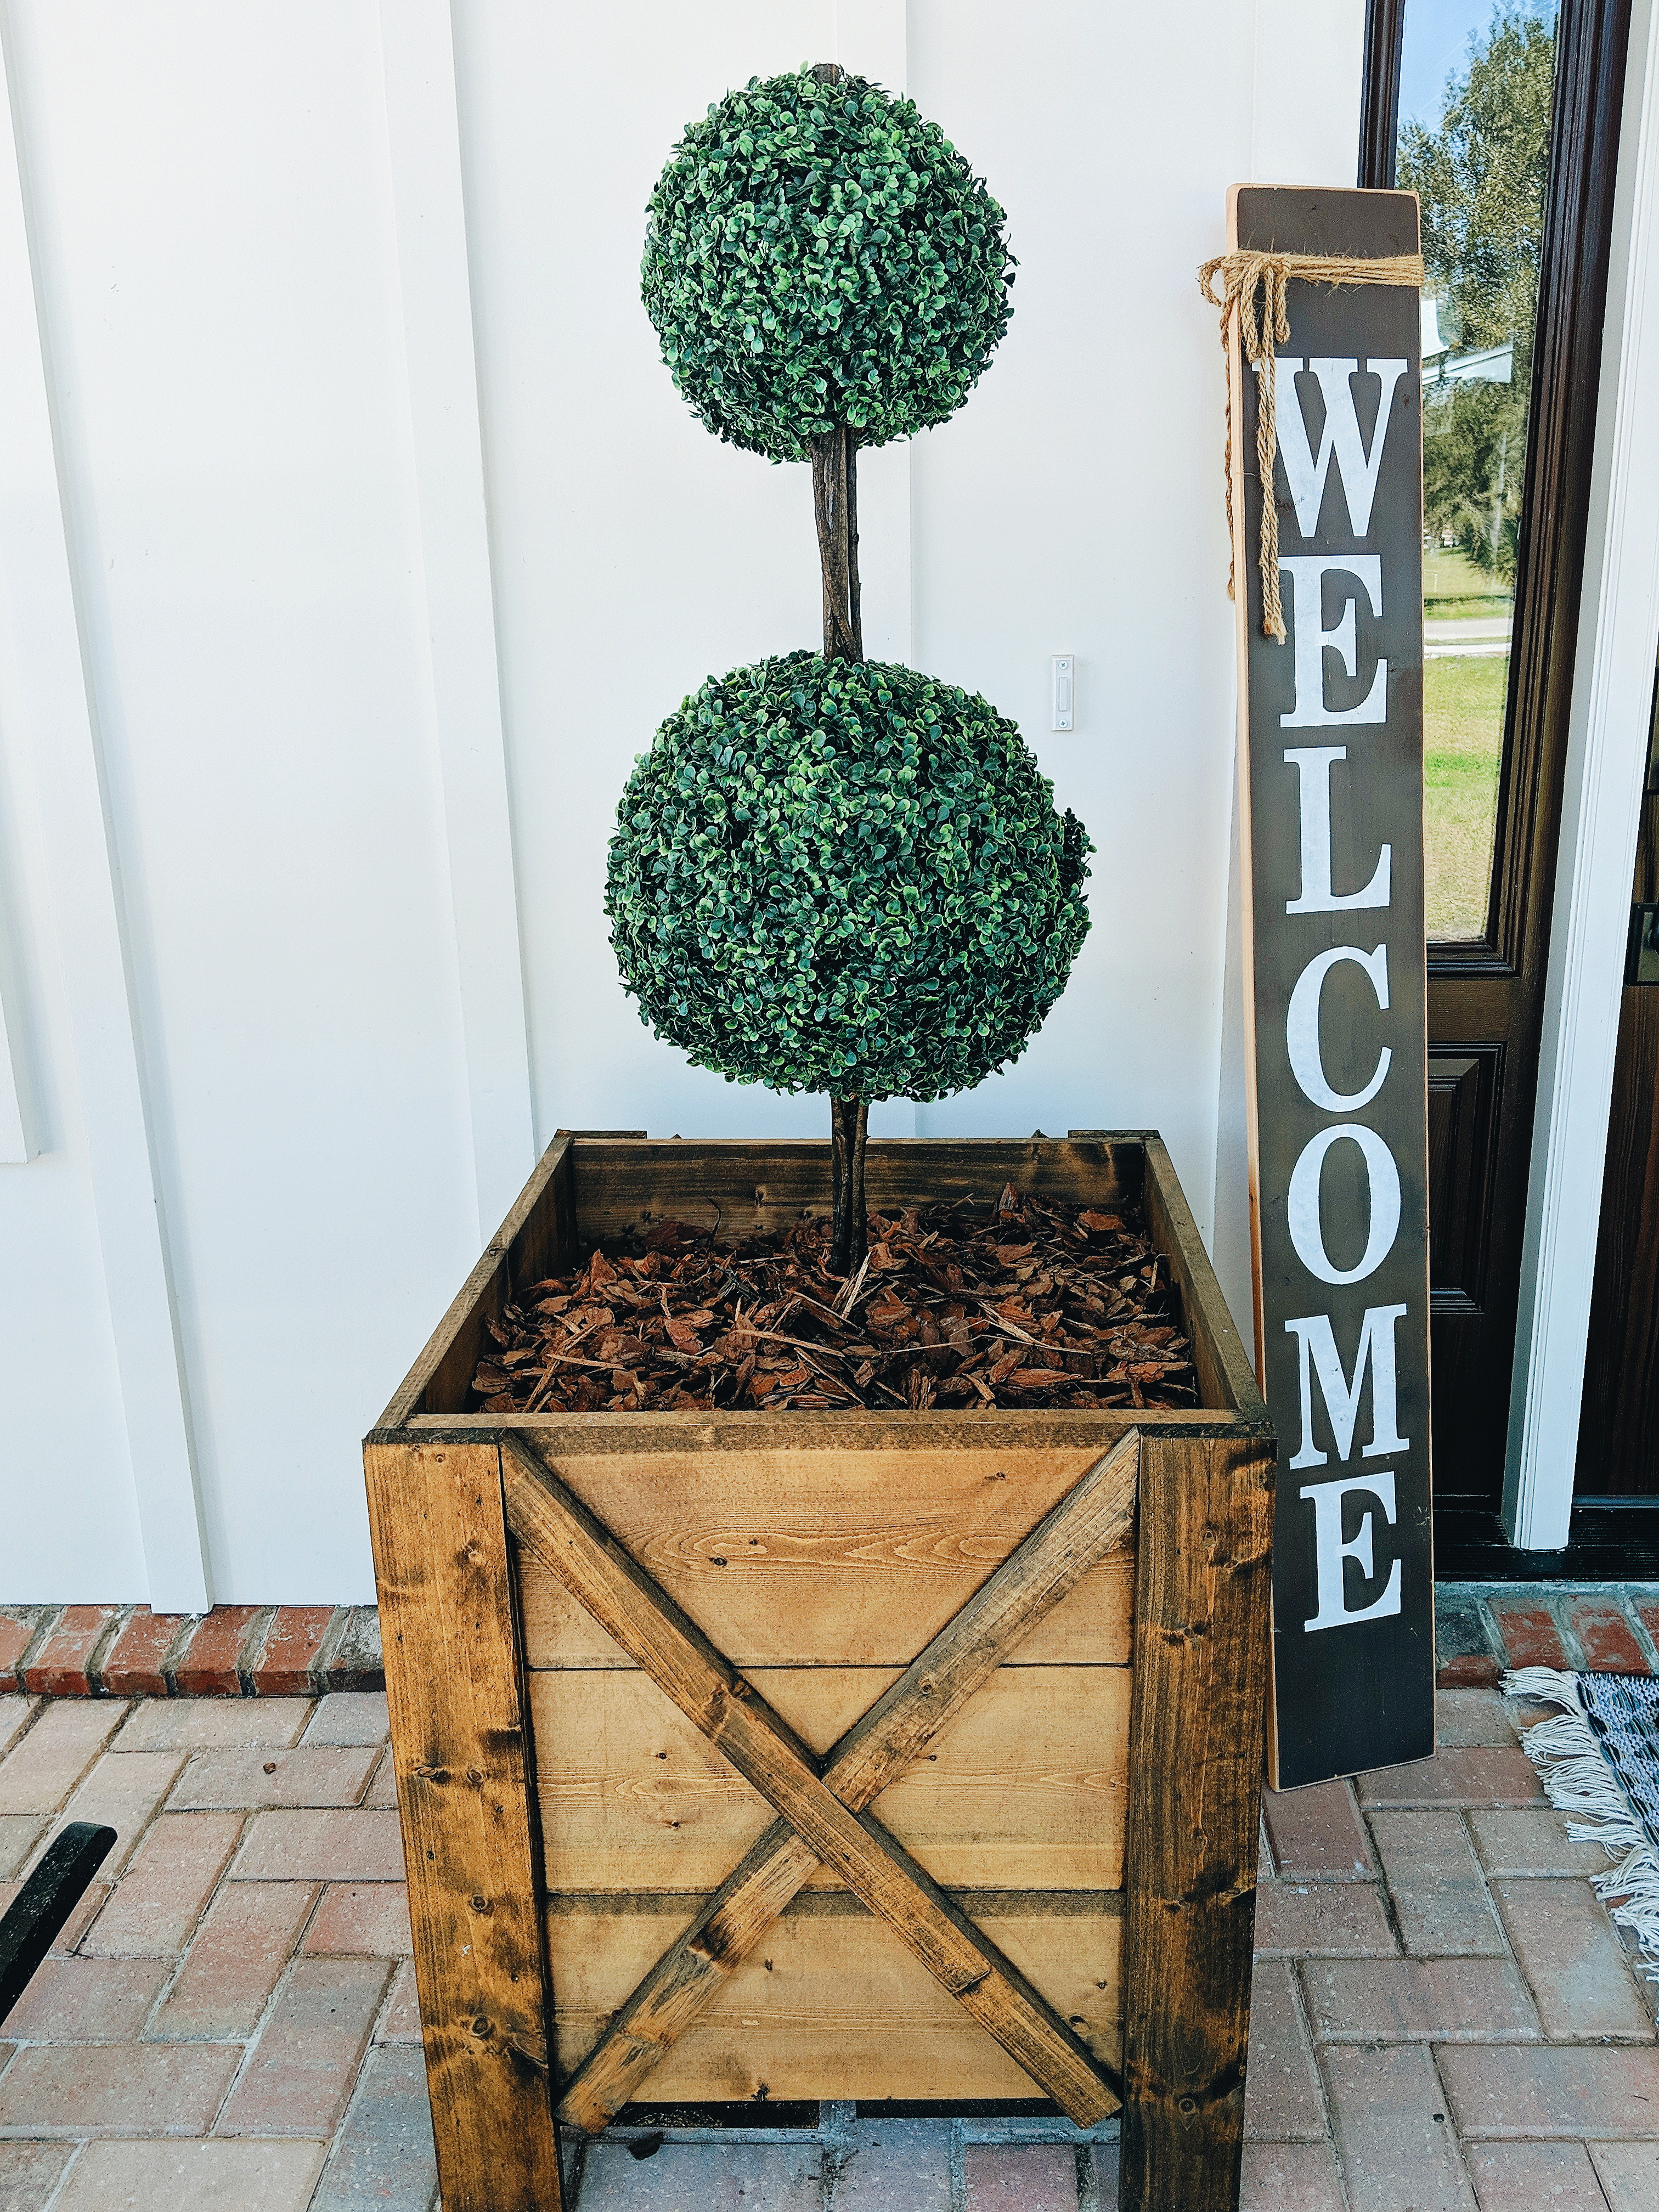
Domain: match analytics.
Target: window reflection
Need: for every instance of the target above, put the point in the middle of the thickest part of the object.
(1477, 87)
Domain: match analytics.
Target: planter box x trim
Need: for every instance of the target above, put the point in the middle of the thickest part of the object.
(822, 1802)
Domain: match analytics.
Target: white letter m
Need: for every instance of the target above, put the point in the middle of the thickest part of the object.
(1318, 1355)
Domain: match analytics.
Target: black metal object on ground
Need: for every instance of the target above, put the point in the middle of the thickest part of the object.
(46, 1901)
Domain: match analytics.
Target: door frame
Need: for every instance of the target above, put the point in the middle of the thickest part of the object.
(1587, 606)
(1606, 770)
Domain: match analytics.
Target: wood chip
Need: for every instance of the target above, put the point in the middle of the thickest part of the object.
(1020, 1302)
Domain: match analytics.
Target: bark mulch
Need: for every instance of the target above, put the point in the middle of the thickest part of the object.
(1022, 1304)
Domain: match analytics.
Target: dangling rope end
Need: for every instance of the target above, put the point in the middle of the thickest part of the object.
(1243, 276)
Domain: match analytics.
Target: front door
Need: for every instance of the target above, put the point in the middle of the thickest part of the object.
(1618, 1430)
(1509, 133)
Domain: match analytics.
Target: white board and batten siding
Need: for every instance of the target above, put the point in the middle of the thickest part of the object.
(382, 543)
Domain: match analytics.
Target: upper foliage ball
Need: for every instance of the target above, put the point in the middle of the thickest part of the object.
(841, 876)
(819, 254)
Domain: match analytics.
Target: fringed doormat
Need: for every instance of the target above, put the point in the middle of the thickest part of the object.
(1599, 1763)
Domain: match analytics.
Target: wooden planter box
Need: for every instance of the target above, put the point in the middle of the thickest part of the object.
(646, 1672)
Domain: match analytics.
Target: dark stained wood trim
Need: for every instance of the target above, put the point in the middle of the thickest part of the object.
(1195, 1746)
(454, 1678)
(1379, 99)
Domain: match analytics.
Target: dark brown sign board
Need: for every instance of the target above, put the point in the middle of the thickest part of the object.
(1331, 810)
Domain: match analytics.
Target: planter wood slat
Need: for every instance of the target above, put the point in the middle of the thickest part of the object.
(469, 1820)
(911, 1718)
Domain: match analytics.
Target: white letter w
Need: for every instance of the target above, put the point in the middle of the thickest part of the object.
(1356, 468)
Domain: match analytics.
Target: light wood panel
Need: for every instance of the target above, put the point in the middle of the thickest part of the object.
(835, 1996)
(891, 1736)
(547, 1519)
(1092, 1627)
(1026, 1789)
(800, 1558)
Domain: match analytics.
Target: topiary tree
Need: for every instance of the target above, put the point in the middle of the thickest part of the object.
(829, 874)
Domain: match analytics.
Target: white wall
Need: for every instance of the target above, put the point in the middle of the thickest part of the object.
(327, 722)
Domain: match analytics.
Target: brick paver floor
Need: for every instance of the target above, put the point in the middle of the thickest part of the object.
(1445, 2017)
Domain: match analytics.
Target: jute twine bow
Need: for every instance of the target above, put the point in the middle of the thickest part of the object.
(1243, 276)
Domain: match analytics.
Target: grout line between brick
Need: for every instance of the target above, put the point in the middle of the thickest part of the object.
(56, 2193)
(1645, 1643)
(93, 1669)
(43, 1628)
(333, 1636)
(1452, 2129)
(253, 1640)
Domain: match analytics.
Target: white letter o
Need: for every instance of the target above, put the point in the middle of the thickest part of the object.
(1302, 1204)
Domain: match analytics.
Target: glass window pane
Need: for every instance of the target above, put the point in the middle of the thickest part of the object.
(1477, 85)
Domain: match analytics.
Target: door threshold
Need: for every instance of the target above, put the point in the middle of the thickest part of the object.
(1616, 1543)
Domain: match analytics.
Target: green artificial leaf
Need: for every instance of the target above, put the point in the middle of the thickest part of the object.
(892, 933)
(866, 323)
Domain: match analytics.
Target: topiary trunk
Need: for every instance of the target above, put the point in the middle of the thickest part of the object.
(849, 1235)
(835, 505)
(836, 511)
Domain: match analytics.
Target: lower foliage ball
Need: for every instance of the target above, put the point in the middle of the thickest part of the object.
(842, 876)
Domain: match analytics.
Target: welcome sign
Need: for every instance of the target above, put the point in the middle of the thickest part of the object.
(1332, 811)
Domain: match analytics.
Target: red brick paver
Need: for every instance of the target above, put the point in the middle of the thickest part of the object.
(400, 2020)
(1532, 1842)
(289, 1654)
(1026, 2177)
(194, 2177)
(29, 2172)
(1418, 2000)
(364, 1919)
(166, 1886)
(252, 1778)
(38, 1772)
(236, 1959)
(19, 1625)
(1628, 2173)
(87, 2000)
(1397, 2143)
(321, 1846)
(1326, 1920)
(1456, 1776)
(1531, 1635)
(1574, 1960)
(117, 2088)
(1317, 1831)
(1282, 2098)
(302, 2069)
(132, 1667)
(1545, 2177)
(121, 1793)
(1439, 1898)
(1289, 2178)
(60, 1665)
(1606, 1638)
(209, 1664)
(1598, 2089)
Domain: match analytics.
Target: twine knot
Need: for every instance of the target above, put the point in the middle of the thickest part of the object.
(1243, 277)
